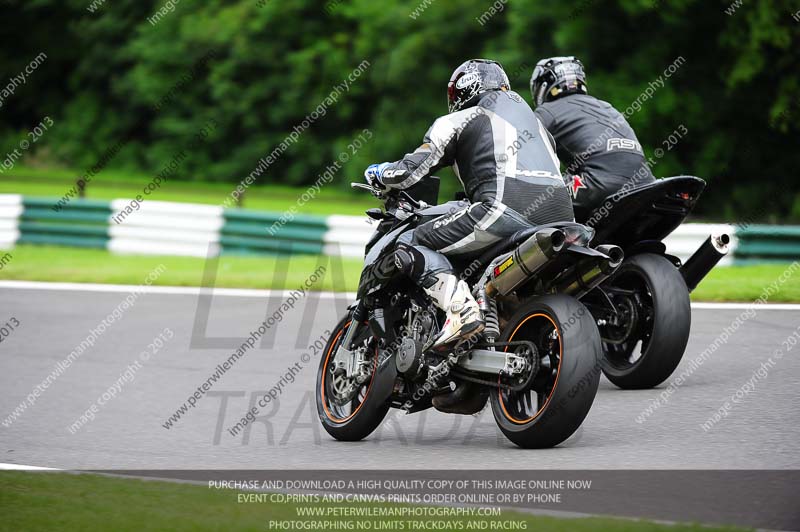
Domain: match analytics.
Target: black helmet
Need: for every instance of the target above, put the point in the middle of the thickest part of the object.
(557, 76)
(471, 79)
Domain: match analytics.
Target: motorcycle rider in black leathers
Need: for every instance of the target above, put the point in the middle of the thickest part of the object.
(598, 147)
(508, 168)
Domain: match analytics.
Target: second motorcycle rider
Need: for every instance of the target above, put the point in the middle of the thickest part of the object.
(595, 142)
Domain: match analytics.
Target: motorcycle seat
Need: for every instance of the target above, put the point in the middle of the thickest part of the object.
(647, 212)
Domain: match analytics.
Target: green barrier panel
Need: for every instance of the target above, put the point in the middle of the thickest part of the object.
(81, 223)
(61, 240)
(768, 242)
(74, 204)
(770, 231)
(288, 232)
(241, 244)
(269, 218)
(247, 232)
(72, 215)
(64, 229)
(788, 250)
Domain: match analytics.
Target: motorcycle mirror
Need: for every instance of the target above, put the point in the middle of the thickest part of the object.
(375, 214)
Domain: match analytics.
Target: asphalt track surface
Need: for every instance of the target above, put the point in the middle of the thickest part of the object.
(760, 432)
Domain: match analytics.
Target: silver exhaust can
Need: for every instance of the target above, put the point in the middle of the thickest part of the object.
(523, 263)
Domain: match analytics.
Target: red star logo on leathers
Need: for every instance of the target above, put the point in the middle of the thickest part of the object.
(577, 184)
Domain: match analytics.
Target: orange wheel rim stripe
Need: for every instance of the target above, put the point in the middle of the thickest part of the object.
(325, 374)
(558, 371)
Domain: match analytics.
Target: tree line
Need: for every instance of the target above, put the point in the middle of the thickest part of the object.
(259, 69)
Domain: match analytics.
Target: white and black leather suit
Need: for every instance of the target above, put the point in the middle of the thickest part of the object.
(596, 143)
(507, 164)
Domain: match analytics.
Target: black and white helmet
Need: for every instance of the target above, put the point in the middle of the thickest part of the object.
(471, 79)
(555, 77)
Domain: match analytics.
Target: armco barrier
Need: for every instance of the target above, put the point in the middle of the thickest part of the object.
(768, 242)
(247, 231)
(10, 211)
(80, 224)
(167, 228)
(348, 235)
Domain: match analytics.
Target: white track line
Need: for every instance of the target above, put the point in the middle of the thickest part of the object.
(20, 467)
(172, 290)
(745, 306)
(246, 292)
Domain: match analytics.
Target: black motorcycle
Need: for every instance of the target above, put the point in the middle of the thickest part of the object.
(643, 311)
(538, 360)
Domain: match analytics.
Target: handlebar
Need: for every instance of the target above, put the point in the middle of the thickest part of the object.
(362, 186)
(386, 194)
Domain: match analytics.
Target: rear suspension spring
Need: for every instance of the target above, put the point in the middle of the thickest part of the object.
(492, 330)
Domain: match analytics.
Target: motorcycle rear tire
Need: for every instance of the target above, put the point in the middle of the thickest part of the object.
(667, 333)
(563, 403)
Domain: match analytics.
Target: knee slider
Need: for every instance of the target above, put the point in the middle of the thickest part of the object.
(409, 261)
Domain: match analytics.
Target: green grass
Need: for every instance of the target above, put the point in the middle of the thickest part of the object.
(113, 184)
(747, 283)
(68, 502)
(62, 264)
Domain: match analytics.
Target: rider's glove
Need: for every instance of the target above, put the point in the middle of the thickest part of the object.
(373, 174)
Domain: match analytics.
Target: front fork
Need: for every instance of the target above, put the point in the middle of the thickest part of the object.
(345, 358)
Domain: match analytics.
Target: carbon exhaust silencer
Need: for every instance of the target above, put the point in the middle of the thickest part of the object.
(525, 261)
(704, 259)
(587, 274)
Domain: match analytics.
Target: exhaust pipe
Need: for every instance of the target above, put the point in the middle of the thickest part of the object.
(525, 261)
(704, 259)
(587, 274)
